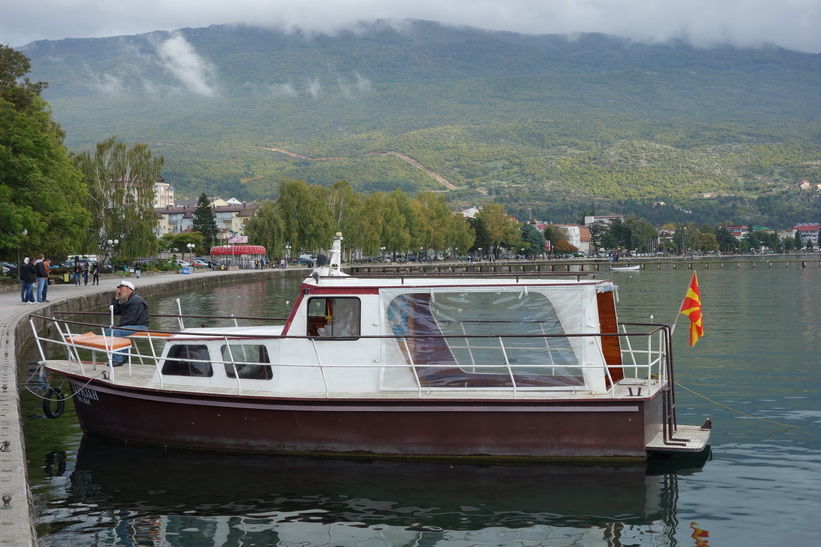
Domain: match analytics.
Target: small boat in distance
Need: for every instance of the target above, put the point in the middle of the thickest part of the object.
(631, 268)
(489, 366)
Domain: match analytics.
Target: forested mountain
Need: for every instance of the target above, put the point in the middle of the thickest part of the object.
(551, 126)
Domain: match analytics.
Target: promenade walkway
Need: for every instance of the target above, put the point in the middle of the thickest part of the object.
(16, 508)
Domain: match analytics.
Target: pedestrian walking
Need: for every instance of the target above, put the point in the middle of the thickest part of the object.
(95, 273)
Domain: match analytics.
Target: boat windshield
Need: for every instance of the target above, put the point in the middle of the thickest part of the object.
(450, 335)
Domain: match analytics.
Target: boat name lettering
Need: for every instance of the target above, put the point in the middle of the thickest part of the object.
(86, 395)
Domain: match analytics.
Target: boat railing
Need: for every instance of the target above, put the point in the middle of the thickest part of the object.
(526, 362)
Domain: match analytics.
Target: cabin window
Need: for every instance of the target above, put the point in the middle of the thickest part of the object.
(243, 360)
(188, 360)
(453, 336)
(337, 317)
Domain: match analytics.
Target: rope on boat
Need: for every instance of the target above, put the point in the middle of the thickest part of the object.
(735, 410)
(52, 391)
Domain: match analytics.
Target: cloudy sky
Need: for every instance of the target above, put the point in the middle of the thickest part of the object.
(792, 24)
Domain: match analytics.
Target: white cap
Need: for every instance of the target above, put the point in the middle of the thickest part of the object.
(125, 283)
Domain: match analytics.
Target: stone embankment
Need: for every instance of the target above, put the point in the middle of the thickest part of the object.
(17, 516)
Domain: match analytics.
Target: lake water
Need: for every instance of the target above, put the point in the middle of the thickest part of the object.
(756, 373)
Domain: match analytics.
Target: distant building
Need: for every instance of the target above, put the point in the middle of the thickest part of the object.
(808, 233)
(230, 218)
(468, 212)
(578, 236)
(163, 194)
(738, 231)
(604, 220)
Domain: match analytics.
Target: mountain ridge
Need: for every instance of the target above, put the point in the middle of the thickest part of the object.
(530, 120)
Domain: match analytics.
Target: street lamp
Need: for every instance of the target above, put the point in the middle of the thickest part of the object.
(191, 253)
(288, 254)
(383, 253)
(111, 243)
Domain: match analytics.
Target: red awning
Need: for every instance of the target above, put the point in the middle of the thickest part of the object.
(238, 250)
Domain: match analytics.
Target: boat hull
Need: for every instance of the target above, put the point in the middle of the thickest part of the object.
(408, 427)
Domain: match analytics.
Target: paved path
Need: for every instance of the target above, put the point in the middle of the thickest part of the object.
(16, 508)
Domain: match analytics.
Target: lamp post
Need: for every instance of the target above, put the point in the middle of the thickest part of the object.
(383, 253)
(480, 253)
(288, 254)
(191, 254)
(111, 243)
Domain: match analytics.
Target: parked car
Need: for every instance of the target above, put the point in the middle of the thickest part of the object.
(9, 268)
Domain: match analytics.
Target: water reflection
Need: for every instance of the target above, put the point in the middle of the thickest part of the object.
(142, 495)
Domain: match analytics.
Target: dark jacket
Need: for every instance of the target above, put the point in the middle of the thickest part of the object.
(133, 312)
(40, 269)
(27, 273)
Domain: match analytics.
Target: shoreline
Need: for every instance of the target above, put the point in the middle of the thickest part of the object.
(17, 514)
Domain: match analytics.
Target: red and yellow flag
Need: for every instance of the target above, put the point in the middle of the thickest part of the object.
(691, 307)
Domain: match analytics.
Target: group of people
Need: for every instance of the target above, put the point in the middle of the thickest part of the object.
(34, 277)
(82, 270)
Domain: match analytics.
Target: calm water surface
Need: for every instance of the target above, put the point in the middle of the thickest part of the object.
(756, 373)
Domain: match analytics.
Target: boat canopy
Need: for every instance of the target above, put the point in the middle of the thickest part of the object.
(237, 250)
(515, 320)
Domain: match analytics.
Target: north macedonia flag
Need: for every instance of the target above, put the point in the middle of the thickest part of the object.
(691, 307)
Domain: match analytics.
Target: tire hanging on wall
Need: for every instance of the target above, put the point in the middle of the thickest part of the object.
(59, 400)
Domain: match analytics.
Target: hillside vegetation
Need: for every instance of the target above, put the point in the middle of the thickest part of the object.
(548, 125)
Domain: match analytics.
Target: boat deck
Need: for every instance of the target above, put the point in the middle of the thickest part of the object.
(687, 438)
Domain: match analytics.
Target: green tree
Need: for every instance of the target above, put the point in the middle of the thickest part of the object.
(481, 242)
(41, 191)
(532, 240)
(204, 222)
(687, 237)
(267, 228)
(502, 229)
(307, 215)
(121, 181)
(346, 208)
(727, 242)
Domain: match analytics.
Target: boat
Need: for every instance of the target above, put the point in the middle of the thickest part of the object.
(488, 367)
(631, 268)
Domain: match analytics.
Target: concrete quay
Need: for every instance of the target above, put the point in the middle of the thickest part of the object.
(17, 517)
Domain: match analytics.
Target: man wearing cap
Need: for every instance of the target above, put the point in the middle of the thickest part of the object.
(133, 312)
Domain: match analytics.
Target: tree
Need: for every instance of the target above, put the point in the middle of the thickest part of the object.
(307, 215)
(267, 228)
(501, 228)
(346, 210)
(121, 181)
(727, 242)
(481, 242)
(532, 240)
(204, 223)
(555, 236)
(41, 191)
(687, 237)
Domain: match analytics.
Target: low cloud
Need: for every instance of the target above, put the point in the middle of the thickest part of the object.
(179, 58)
(314, 88)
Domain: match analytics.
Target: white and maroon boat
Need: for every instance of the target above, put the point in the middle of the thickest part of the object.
(488, 366)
